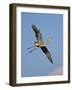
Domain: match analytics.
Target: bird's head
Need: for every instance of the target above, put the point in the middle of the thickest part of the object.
(36, 44)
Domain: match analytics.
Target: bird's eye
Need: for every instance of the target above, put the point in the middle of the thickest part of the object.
(35, 42)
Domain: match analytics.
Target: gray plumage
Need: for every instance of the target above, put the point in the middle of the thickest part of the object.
(37, 34)
(40, 41)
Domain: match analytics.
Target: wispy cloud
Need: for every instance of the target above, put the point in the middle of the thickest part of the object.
(57, 71)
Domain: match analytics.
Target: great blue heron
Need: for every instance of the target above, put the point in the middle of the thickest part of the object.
(40, 43)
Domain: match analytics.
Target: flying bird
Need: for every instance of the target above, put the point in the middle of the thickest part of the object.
(39, 43)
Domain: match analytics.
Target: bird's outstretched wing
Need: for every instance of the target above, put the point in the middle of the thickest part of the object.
(47, 53)
(37, 33)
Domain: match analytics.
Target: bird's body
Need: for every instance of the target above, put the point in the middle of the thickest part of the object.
(41, 44)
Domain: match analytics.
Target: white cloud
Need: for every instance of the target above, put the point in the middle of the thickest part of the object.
(57, 71)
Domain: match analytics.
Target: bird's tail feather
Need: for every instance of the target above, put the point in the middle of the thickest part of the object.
(32, 50)
(30, 47)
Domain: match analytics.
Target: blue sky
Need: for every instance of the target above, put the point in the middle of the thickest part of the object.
(36, 63)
